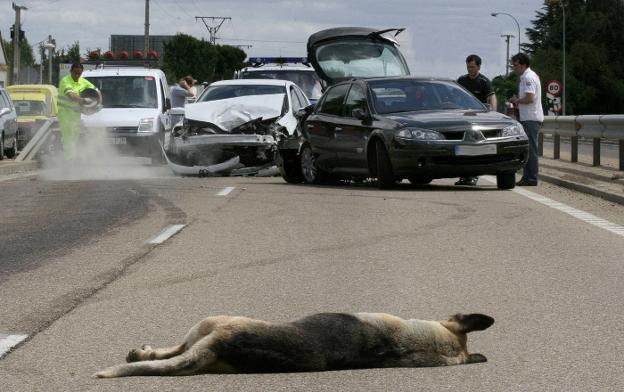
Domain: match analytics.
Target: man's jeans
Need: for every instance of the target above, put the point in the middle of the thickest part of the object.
(530, 170)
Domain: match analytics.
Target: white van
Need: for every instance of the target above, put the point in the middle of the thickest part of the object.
(135, 113)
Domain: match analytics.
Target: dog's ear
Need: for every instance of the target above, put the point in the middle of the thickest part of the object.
(472, 322)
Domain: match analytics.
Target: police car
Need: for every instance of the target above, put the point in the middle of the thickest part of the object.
(294, 69)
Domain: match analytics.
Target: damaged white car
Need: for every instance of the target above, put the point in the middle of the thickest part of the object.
(234, 127)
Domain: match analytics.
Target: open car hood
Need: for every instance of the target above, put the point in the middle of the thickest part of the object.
(227, 114)
(343, 53)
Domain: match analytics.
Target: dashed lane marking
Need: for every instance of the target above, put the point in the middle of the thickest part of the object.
(166, 234)
(225, 191)
(578, 214)
(7, 342)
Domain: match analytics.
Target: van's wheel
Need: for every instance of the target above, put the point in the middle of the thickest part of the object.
(506, 180)
(310, 171)
(289, 164)
(11, 152)
(385, 175)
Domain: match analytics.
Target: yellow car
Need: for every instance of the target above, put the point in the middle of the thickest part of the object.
(35, 103)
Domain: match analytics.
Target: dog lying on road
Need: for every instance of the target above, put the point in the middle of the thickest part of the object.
(324, 341)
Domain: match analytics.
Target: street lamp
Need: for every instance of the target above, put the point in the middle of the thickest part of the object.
(515, 20)
(563, 61)
(50, 46)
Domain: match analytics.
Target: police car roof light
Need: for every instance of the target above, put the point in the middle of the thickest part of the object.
(258, 61)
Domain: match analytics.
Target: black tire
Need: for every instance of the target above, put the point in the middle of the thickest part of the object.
(1, 146)
(12, 152)
(289, 165)
(310, 172)
(418, 180)
(385, 174)
(506, 180)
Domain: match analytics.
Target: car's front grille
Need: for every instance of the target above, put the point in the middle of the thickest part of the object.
(472, 160)
(492, 133)
(453, 135)
(122, 129)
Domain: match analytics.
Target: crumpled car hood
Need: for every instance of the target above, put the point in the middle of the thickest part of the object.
(229, 113)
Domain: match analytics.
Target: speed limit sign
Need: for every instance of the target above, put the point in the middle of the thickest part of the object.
(554, 87)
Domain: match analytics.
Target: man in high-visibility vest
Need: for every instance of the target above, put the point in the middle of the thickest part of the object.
(69, 102)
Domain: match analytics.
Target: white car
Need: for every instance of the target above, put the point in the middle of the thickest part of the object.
(234, 127)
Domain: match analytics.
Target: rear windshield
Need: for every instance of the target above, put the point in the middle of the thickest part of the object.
(30, 108)
(126, 91)
(405, 95)
(308, 81)
(360, 59)
(214, 93)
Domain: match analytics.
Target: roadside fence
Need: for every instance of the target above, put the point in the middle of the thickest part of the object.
(598, 128)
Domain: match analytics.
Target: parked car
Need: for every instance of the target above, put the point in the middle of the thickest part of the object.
(376, 121)
(234, 127)
(8, 126)
(295, 69)
(135, 115)
(35, 104)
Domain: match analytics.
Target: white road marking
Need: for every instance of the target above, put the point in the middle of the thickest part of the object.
(225, 191)
(578, 214)
(7, 342)
(165, 234)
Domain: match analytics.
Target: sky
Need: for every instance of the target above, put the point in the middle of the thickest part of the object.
(438, 37)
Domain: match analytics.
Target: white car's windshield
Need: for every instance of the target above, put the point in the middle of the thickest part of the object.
(126, 91)
(308, 81)
(214, 93)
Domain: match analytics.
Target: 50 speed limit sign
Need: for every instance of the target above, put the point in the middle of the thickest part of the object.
(554, 87)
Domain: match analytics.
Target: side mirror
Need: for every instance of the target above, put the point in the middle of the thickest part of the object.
(360, 114)
(304, 112)
(167, 104)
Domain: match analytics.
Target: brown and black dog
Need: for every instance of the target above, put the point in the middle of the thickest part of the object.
(324, 341)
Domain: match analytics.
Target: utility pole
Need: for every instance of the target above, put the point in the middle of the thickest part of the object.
(50, 45)
(507, 37)
(17, 28)
(146, 34)
(212, 30)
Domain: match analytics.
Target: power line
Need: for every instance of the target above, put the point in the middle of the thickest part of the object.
(212, 30)
(260, 40)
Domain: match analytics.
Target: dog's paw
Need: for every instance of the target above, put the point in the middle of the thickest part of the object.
(133, 356)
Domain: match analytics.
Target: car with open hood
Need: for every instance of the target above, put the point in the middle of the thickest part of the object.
(374, 120)
(234, 127)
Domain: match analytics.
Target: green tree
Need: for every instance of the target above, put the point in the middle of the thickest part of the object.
(594, 42)
(27, 57)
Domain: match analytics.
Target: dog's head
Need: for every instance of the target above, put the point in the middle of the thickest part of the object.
(461, 324)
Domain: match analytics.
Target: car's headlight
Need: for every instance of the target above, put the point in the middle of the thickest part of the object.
(419, 134)
(146, 125)
(513, 130)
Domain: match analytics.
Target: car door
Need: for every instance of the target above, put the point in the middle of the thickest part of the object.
(351, 133)
(320, 126)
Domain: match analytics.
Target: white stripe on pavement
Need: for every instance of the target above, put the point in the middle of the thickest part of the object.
(165, 234)
(7, 342)
(578, 214)
(225, 191)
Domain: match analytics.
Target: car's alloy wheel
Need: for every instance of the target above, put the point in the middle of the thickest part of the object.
(385, 175)
(311, 173)
(506, 180)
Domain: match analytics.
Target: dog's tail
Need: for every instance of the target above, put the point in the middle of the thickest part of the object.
(464, 323)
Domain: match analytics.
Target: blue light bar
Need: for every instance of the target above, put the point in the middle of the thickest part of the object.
(278, 60)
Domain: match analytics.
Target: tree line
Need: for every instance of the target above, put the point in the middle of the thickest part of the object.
(594, 43)
(183, 55)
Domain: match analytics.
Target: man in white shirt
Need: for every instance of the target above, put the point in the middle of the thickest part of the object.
(531, 113)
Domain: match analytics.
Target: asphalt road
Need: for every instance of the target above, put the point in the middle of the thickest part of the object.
(265, 249)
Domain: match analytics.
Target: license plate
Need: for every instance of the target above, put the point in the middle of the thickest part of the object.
(117, 140)
(486, 149)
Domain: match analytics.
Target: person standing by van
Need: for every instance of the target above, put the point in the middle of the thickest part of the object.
(69, 102)
(179, 93)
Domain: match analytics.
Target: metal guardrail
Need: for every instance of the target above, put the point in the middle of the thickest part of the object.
(594, 127)
(39, 141)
